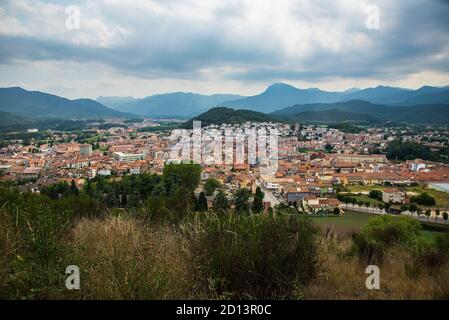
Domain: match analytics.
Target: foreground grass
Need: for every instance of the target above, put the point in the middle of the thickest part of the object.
(122, 258)
(211, 257)
(343, 277)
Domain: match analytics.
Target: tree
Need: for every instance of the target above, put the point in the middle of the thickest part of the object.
(367, 204)
(427, 213)
(221, 202)
(210, 186)
(424, 199)
(258, 200)
(413, 207)
(73, 188)
(336, 210)
(202, 202)
(407, 151)
(193, 205)
(241, 200)
(445, 216)
(57, 190)
(375, 194)
(328, 147)
(186, 176)
(419, 211)
(404, 207)
(437, 214)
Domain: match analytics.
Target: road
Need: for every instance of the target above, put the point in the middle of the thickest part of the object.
(268, 194)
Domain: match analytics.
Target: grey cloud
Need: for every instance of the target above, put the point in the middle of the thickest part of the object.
(415, 32)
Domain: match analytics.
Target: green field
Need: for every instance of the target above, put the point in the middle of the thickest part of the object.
(365, 188)
(352, 222)
(345, 223)
(441, 198)
(365, 198)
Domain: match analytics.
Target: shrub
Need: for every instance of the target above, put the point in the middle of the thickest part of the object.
(241, 200)
(35, 255)
(424, 199)
(210, 185)
(221, 202)
(432, 255)
(119, 259)
(375, 194)
(392, 230)
(368, 250)
(252, 256)
(383, 232)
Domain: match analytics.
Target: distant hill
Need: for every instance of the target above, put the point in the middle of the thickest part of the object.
(275, 97)
(379, 94)
(355, 111)
(168, 104)
(332, 115)
(116, 103)
(220, 115)
(365, 111)
(11, 122)
(281, 95)
(8, 119)
(34, 104)
(355, 106)
(429, 98)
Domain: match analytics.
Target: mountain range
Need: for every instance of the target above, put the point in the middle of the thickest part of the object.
(280, 95)
(275, 97)
(354, 111)
(358, 110)
(169, 104)
(36, 104)
(424, 105)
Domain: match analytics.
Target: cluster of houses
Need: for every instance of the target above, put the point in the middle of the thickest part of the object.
(308, 170)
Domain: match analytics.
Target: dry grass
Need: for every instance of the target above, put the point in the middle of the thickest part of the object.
(120, 258)
(8, 248)
(123, 258)
(344, 277)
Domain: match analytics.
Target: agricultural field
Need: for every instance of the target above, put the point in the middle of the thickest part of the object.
(441, 198)
(343, 224)
(365, 188)
(351, 222)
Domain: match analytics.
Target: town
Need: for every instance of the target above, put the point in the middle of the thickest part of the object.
(320, 169)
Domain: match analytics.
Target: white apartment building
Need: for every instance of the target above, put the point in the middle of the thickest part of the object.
(121, 156)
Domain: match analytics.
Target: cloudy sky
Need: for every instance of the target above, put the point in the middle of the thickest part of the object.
(141, 47)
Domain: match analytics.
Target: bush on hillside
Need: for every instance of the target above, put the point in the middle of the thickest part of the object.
(433, 255)
(383, 232)
(254, 256)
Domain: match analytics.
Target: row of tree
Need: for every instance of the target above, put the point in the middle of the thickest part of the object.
(171, 193)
